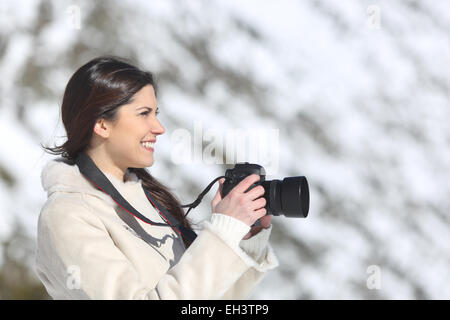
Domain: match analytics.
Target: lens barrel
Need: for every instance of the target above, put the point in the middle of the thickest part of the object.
(289, 197)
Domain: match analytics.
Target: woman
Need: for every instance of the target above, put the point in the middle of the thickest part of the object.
(89, 247)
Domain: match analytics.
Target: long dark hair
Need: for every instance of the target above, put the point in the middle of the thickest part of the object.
(96, 91)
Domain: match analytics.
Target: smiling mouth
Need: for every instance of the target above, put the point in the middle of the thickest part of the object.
(148, 145)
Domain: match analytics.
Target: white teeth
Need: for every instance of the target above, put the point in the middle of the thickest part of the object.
(147, 144)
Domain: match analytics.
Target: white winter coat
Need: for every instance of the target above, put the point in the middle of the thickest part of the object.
(89, 248)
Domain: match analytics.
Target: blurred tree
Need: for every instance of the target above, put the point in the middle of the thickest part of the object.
(17, 280)
(372, 136)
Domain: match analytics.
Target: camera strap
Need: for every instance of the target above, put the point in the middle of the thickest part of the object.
(88, 168)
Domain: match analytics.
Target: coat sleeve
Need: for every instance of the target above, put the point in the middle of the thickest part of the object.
(246, 284)
(256, 252)
(77, 259)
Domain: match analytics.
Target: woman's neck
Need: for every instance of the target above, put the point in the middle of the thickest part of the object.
(104, 162)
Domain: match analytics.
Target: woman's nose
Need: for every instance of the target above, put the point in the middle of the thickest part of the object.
(158, 128)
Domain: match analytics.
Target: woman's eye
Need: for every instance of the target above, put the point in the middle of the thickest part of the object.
(145, 113)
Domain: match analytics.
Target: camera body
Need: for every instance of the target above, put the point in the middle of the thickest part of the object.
(289, 197)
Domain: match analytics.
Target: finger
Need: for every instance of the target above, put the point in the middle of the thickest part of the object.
(255, 192)
(258, 203)
(218, 197)
(248, 235)
(253, 231)
(265, 221)
(220, 188)
(246, 183)
(260, 213)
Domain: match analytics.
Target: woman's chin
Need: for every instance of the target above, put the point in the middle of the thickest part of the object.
(143, 163)
(149, 163)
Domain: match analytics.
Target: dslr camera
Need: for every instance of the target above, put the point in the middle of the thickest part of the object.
(289, 197)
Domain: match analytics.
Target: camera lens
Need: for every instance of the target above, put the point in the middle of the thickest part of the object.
(289, 197)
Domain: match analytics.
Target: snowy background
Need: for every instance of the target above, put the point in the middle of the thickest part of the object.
(352, 94)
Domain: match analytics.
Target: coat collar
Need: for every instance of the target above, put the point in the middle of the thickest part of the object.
(61, 175)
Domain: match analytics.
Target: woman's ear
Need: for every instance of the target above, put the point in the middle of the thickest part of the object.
(101, 128)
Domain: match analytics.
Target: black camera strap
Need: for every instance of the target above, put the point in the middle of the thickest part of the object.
(88, 168)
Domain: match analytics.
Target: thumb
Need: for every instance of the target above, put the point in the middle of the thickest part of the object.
(218, 196)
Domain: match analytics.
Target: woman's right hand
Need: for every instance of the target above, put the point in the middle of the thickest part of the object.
(244, 206)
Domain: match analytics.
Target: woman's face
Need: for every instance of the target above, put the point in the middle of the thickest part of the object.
(131, 138)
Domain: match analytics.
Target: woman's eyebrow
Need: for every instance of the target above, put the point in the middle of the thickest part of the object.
(146, 107)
